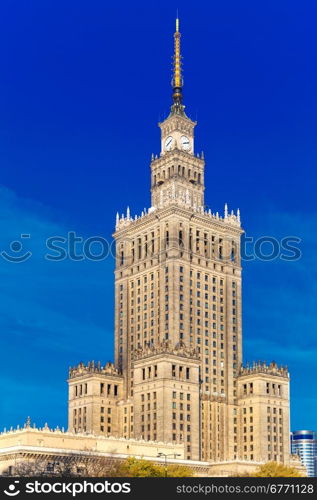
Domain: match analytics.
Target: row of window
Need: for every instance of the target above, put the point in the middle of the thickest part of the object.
(201, 262)
(199, 276)
(189, 173)
(273, 389)
(196, 241)
(80, 390)
(109, 389)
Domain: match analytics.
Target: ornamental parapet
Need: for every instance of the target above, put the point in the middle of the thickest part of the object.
(92, 367)
(184, 201)
(165, 348)
(263, 367)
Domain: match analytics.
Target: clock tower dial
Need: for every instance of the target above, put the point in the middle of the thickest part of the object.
(177, 133)
(168, 143)
(185, 143)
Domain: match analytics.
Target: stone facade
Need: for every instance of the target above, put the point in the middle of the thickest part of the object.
(90, 453)
(166, 396)
(94, 396)
(178, 374)
(263, 413)
(56, 446)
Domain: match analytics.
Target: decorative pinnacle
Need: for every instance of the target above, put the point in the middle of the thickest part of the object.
(226, 210)
(177, 82)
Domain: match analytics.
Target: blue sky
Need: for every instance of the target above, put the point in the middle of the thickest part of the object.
(82, 88)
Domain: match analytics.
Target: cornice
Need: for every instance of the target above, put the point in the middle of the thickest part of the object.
(159, 214)
(175, 155)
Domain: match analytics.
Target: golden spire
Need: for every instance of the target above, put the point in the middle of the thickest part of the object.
(177, 82)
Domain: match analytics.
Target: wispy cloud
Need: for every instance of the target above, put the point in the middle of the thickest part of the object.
(52, 314)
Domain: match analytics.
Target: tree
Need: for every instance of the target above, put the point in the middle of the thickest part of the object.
(91, 466)
(133, 467)
(68, 466)
(274, 469)
(179, 471)
(29, 468)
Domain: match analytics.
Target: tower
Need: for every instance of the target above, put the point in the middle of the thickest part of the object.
(94, 394)
(178, 374)
(304, 444)
(178, 274)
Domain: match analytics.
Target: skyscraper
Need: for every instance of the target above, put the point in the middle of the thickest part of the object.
(304, 444)
(178, 373)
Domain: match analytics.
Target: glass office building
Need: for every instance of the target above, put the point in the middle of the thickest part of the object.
(304, 444)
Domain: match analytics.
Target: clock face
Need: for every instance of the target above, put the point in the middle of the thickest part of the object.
(168, 143)
(185, 143)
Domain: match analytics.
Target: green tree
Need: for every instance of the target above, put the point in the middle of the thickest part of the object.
(179, 471)
(133, 467)
(273, 469)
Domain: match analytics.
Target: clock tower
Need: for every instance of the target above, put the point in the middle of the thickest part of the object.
(177, 175)
(178, 373)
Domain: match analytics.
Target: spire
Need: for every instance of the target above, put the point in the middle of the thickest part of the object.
(177, 76)
(177, 81)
